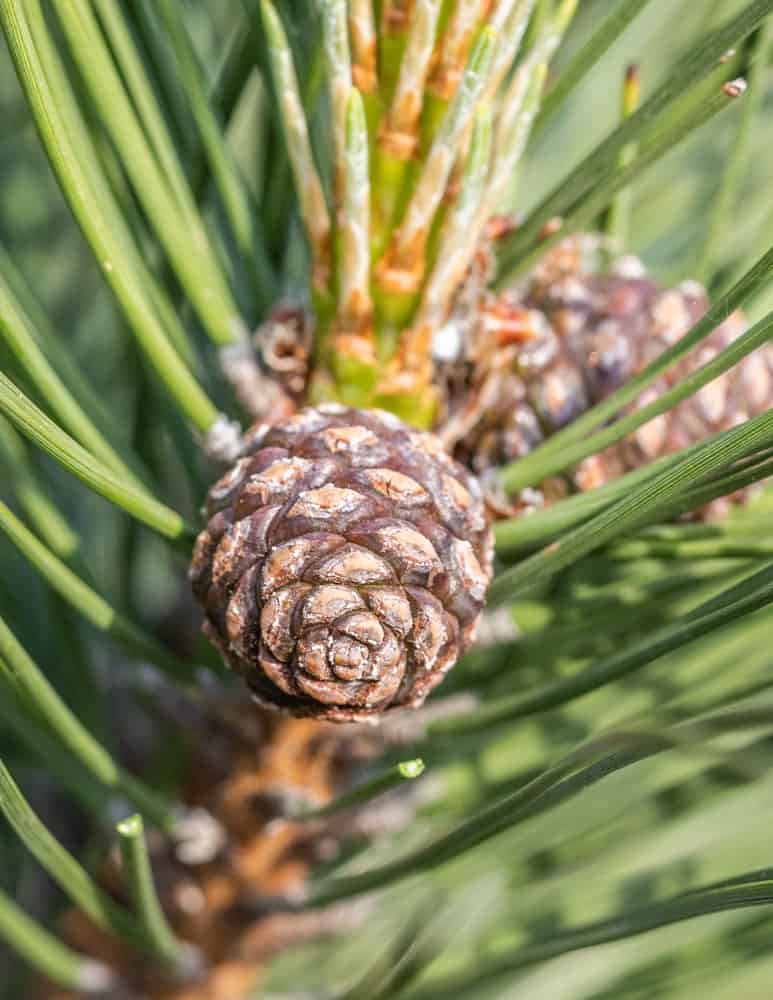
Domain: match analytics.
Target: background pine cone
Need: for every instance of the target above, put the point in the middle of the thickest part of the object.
(345, 563)
(538, 355)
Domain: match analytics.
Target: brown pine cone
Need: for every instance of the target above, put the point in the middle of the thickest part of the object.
(345, 563)
(537, 356)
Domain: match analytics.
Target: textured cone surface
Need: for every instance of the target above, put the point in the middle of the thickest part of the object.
(344, 565)
(539, 355)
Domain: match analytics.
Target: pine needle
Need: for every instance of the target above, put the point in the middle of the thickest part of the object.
(307, 183)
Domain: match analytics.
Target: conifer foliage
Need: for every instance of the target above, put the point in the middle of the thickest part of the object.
(379, 337)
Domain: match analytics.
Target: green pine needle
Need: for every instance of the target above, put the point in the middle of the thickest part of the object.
(48, 955)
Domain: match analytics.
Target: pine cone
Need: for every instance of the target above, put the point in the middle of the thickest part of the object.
(345, 563)
(537, 356)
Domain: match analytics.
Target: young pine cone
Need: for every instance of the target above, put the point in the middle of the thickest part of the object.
(344, 565)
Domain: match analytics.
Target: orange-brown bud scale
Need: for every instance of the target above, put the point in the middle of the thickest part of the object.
(364, 44)
(402, 268)
(357, 344)
(396, 16)
(364, 76)
(397, 144)
(454, 48)
(410, 372)
(444, 81)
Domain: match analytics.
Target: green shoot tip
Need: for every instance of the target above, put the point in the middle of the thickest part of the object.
(131, 827)
(411, 768)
